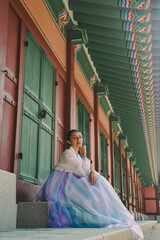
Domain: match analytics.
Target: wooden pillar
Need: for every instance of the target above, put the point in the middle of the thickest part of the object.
(139, 195)
(120, 169)
(143, 207)
(4, 4)
(69, 93)
(134, 174)
(142, 198)
(111, 150)
(20, 96)
(157, 200)
(131, 184)
(137, 192)
(126, 168)
(96, 129)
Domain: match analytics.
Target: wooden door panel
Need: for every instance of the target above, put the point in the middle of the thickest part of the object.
(45, 156)
(13, 42)
(104, 158)
(38, 114)
(32, 66)
(47, 84)
(10, 86)
(151, 201)
(46, 133)
(60, 118)
(8, 124)
(28, 148)
(10, 92)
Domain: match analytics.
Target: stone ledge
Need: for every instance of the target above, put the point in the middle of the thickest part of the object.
(75, 233)
(8, 208)
(32, 214)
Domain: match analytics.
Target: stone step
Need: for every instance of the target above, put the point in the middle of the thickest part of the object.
(8, 207)
(75, 233)
(32, 214)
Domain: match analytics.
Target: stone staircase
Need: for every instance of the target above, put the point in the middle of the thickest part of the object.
(27, 215)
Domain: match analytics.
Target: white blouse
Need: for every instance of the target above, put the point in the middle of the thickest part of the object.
(72, 162)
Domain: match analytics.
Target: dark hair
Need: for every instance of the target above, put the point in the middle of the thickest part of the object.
(70, 133)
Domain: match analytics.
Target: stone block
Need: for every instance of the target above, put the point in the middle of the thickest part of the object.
(8, 208)
(32, 214)
(158, 219)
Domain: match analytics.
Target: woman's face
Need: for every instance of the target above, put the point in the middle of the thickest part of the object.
(76, 140)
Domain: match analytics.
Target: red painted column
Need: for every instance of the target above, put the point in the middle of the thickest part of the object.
(137, 194)
(131, 184)
(120, 169)
(142, 199)
(20, 96)
(111, 150)
(157, 199)
(136, 191)
(96, 129)
(134, 171)
(126, 168)
(69, 93)
(4, 4)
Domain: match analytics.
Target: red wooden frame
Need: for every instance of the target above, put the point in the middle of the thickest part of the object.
(126, 168)
(120, 169)
(111, 150)
(69, 95)
(20, 97)
(131, 183)
(4, 5)
(96, 129)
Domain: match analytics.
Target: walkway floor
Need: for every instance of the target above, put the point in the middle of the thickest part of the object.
(79, 233)
(153, 234)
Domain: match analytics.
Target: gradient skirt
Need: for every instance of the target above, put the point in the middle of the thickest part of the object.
(75, 202)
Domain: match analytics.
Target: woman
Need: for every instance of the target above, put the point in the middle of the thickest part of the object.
(80, 197)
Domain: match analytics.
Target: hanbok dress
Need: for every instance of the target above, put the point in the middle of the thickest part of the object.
(75, 202)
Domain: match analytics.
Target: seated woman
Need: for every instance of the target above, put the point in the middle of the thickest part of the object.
(80, 197)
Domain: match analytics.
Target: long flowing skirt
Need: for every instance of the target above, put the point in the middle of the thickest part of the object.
(75, 202)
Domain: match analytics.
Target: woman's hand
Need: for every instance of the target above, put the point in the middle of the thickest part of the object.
(92, 177)
(82, 149)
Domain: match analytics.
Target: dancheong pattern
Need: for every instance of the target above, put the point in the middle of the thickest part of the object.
(138, 37)
(135, 4)
(134, 15)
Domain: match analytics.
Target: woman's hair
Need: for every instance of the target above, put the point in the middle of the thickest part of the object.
(70, 133)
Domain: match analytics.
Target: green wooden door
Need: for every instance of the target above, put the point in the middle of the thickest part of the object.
(116, 168)
(37, 114)
(104, 156)
(84, 124)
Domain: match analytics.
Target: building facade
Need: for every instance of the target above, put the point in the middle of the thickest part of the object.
(48, 86)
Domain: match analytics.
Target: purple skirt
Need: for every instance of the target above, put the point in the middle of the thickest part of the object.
(75, 202)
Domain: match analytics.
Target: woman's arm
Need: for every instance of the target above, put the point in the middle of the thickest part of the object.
(92, 175)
